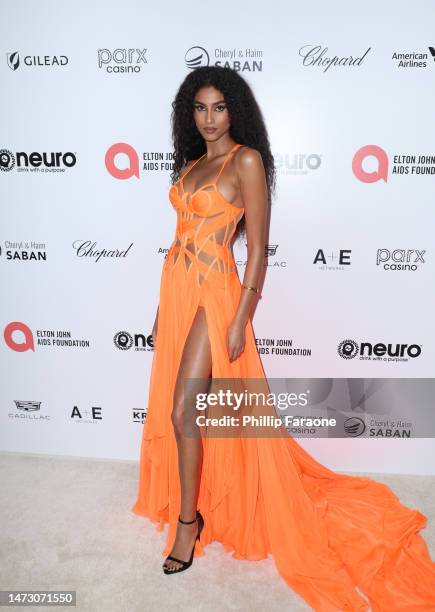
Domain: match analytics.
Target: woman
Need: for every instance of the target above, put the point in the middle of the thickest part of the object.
(327, 532)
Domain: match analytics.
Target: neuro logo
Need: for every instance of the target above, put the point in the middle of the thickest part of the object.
(348, 349)
(195, 57)
(132, 169)
(354, 426)
(26, 344)
(13, 60)
(7, 160)
(297, 163)
(381, 173)
(123, 340)
(35, 161)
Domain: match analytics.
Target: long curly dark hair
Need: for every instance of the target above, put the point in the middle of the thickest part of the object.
(247, 125)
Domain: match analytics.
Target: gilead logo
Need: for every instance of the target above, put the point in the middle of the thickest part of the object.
(111, 160)
(370, 177)
(26, 343)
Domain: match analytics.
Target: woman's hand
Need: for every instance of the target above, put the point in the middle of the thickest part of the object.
(235, 340)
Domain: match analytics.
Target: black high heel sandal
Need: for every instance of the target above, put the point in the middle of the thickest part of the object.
(186, 564)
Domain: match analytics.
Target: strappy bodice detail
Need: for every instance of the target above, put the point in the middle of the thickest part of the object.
(214, 183)
(184, 198)
(206, 222)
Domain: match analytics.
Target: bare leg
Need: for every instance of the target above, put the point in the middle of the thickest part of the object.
(195, 363)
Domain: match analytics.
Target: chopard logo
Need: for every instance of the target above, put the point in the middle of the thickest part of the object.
(314, 55)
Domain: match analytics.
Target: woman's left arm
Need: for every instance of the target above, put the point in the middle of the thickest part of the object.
(253, 190)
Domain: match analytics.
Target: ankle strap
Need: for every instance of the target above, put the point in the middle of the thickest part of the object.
(188, 522)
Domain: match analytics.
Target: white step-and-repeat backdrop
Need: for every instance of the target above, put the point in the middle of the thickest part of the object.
(85, 156)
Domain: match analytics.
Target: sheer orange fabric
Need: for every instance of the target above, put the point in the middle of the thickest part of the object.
(327, 532)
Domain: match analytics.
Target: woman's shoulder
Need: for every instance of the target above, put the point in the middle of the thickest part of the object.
(247, 158)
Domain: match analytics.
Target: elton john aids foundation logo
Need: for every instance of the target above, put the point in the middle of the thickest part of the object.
(25, 340)
(402, 164)
(113, 161)
(381, 170)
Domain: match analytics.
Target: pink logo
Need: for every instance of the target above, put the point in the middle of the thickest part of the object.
(376, 175)
(26, 345)
(122, 173)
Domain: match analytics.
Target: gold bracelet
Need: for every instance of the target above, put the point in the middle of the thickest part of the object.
(251, 288)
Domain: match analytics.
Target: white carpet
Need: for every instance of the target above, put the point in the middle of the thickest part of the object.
(66, 524)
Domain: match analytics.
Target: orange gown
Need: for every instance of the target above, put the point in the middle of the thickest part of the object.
(327, 532)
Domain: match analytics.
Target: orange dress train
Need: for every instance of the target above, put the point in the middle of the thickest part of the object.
(327, 532)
